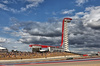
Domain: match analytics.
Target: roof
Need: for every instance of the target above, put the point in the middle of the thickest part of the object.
(43, 46)
(2, 48)
(68, 18)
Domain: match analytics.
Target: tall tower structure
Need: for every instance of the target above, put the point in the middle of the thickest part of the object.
(65, 32)
(64, 39)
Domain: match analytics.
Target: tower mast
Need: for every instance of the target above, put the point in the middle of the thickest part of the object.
(65, 36)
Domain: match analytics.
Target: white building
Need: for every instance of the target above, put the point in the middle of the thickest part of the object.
(2, 49)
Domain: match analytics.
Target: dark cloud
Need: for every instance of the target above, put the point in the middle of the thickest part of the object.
(93, 45)
(45, 29)
(95, 25)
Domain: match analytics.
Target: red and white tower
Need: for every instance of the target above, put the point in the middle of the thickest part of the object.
(65, 33)
(64, 39)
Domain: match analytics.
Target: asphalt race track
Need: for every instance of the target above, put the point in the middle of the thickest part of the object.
(78, 62)
(85, 63)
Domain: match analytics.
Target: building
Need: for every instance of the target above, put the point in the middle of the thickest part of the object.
(3, 50)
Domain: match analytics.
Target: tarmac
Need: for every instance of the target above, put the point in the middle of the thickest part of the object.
(75, 62)
(85, 63)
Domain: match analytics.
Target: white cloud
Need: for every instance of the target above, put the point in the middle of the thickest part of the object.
(4, 7)
(32, 3)
(16, 46)
(92, 18)
(35, 0)
(20, 33)
(13, 44)
(3, 40)
(81, 2)
(5, 1)
(68, 11)
(80, 13)
(6, 29)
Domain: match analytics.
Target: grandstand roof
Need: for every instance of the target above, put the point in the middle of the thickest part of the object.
(2, 48)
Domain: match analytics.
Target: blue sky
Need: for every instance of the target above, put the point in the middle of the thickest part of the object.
(23, 22)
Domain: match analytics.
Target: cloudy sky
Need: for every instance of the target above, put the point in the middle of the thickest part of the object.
(24, 22)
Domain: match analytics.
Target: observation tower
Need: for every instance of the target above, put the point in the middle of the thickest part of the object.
(64, 40)
(65, 33)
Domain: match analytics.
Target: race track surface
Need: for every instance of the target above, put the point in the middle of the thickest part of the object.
(77, 62)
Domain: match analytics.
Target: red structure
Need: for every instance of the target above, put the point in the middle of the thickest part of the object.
(43, 46)
(85, 55)
(46, 46)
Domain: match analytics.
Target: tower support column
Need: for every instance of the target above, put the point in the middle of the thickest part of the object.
(66, 48)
